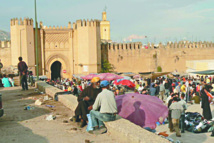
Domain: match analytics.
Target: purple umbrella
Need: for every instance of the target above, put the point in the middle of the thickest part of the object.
(143, 110)
(88, 77)
(109, 76)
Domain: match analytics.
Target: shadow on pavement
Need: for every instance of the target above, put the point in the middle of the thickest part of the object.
(11, 128)
(189, 137)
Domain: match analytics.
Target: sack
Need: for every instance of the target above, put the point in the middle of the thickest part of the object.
(89, 126)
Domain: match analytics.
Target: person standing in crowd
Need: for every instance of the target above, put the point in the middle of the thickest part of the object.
(104, 108)
(22, 67)
(184, 104)
(206, 99)
(5, 81)
(162, 91)
(169, 114)
(183, 88)
(152, 90)
(85, 100)
(140, 89)
(176, 111)
(157, 91)
(167, 86)
(178, 88)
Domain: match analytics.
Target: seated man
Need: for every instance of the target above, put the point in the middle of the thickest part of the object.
(86, 99)
(106, 104)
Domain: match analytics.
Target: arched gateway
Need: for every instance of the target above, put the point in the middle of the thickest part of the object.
(55, 66)
(56, 70)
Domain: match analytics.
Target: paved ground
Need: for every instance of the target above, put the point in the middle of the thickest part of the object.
(189, 137)
(29, 126)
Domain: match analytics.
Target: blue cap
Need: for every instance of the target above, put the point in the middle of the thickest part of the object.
(104, 83)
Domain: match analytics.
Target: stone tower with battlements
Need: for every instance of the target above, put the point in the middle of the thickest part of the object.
(22, 42)
(76, 49)
(105, 28)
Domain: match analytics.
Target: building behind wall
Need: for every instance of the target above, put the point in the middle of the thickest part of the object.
(77, 48)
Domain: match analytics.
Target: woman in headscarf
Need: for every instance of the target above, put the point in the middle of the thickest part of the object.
(206, 99)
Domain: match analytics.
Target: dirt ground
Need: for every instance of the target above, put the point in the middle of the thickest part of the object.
(30, 126)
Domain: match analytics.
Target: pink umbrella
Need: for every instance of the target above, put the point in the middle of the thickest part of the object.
(88, 77)
(137, 76)
(143, 110)
(109, 76)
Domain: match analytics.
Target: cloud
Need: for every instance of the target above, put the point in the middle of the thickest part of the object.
(135, 37)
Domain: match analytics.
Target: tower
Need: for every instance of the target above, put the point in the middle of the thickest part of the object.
(105, 28)
(86, 44)
(22, 42)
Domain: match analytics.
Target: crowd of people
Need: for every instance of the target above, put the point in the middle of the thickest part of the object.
(175, 92)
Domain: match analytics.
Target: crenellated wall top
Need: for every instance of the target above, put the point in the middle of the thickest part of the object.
(25, 21)
(169, 45)
(5, 44)
(86, 23)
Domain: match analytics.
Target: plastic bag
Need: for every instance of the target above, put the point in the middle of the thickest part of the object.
(89, 126)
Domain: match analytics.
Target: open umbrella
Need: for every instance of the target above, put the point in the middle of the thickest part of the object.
(88, 77)
(109, 76)
(137, 76)
(143, 110)
(127, 83)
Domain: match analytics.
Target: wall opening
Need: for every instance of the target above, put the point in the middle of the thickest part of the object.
(56, 70)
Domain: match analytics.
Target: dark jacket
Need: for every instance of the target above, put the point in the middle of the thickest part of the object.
(205, 105)
(167, 85)
(91, 93)
(22, 67)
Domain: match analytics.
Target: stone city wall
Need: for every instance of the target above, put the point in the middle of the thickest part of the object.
(5, 54)
(133, 57)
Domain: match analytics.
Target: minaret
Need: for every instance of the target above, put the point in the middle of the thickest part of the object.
(105, 28)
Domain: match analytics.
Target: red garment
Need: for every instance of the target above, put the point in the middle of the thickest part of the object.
(198, 88)
(184, 79)
(80, 88)
(208, 94)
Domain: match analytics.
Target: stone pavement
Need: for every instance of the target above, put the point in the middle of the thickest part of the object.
(189, 137)
(30, 126)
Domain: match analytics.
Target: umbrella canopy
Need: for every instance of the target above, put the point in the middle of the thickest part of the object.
(109, 76)
(153, 75)
(127, 83)
(206, 72)
(128, 74)
(143, 110)
(137, 76)
(88, 77)
(127, 77)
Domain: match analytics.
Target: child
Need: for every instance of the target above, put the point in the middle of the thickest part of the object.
(11, 80)
(5, 81)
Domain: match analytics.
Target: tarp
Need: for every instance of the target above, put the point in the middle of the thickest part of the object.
(206, 72)
(153, 75)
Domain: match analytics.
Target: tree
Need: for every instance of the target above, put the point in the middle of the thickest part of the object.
(159, 69)
(106, 66)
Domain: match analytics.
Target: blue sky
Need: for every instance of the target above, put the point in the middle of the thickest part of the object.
(159, 20)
